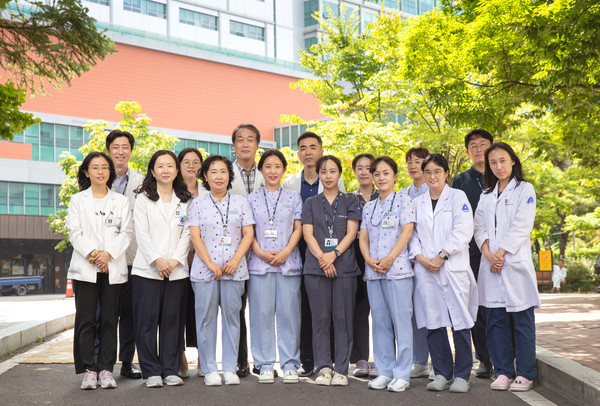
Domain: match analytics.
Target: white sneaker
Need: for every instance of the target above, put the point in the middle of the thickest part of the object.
(439, 384)
(213, 379)
(381, 382)
(324, 377)
(173, 380)
(419, 371)
(339, 379)
(106, 380)
(154, 382)
(90, 380)
(266, 377)
(398, 385)
(290, 377)
(231, 378)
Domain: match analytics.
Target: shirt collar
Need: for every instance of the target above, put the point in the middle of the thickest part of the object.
(244, 170)
(304, 180)
(126, 176)
(475, 172)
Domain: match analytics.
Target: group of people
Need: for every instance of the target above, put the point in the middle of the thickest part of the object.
(312, 262)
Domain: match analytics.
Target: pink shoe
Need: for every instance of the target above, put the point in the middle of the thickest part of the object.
(502, 382)
(521, 384)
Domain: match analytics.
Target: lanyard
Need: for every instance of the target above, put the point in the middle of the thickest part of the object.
(226, 219)
(382, 216)
(335, 203)
(272, 217)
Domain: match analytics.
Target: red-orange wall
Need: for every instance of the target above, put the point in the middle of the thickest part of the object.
(15, 150)
(179, 92)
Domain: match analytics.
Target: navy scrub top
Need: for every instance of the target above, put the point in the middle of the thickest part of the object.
(348, 208)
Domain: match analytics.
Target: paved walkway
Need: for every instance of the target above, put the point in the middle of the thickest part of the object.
(569, 325)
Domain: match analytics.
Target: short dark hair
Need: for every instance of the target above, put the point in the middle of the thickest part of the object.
(359, 157)
(478, 133)
(489, 179)
(384, 159)
(321, 162)
(114, 134)
(206, 166)
(271, 152)
(148, 186)
(419, 152)
(437, 159)
(309, 134)
(83, 181)
(250, 127)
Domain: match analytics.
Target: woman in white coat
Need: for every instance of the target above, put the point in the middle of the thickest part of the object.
(160, 269)
(507, 283)
(445, 289)
(99, 224)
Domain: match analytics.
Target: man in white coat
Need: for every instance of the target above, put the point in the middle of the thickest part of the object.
(119, 145)
(306, 182)
(247, 179)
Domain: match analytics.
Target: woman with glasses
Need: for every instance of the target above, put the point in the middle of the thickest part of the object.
(446, 292)
(190, 160)
(99, 224)
(507, 282)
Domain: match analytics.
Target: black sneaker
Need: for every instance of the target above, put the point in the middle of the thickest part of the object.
(306, 369)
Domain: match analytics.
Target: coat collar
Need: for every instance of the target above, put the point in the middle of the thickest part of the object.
(89, 205)
(512, 184)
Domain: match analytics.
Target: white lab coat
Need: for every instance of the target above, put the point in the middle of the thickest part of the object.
(507, 222)
(161, 235)
(135, 180)
(294, 182)
(448, 297)
(238, 187)
(83, 235)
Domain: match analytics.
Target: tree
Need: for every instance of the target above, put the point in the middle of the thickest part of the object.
(41, 44)
(146, 143)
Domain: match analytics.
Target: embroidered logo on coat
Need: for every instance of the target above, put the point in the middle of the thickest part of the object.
(530, 200)
(465, 208)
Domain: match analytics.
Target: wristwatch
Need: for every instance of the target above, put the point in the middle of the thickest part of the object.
(337, 252)
(443, 255)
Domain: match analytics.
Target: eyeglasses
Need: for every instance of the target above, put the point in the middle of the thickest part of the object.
(437, 172)
(481, 146)
(95, 168)
(188, 162)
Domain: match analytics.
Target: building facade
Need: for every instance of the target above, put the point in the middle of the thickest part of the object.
(197, 67)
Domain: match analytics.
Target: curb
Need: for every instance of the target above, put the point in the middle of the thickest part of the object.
(573, 381)
(22, 334)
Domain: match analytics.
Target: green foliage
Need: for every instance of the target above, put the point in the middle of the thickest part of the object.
(13, 121)
(147, 142)
(580, 275)
(41, 44)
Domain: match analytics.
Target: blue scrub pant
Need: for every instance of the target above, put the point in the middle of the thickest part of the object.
(159, 304)
(500, 344)
(391, 313)
(441, 354)
(209, 296)
(275, 297)
(331, 299)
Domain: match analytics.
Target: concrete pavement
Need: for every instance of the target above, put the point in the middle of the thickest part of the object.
(567, 334)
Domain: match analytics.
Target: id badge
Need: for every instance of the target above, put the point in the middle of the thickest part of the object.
(331, 242)
(113, 221)
(388, 222)
(270, 233)
(224, 240)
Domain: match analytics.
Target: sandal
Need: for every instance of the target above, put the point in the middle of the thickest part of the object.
(521, 384)
(502, 382)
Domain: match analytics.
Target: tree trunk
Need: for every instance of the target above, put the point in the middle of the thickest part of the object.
(564, 239)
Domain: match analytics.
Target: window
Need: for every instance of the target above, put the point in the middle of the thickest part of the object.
(198, 19)
(47, 201)
(102, 2)
(32, 136)
(213, 149)
(308, 42)
(309, 8)
(15, 198)
(76, 141)
(32, 199)
(47, 142)
(246, 30)
(426, 5)
(3, 197)
(392, 4)
(148, 7)
(410, 7)
(367, 18)
(330, 9)
(61, 140)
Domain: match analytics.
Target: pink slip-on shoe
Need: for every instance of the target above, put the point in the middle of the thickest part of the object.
(502, 382)
(521, 384)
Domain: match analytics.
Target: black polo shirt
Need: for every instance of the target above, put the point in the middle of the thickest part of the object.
(470, 182)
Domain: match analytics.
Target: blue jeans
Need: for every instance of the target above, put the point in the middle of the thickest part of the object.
(500, 343)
